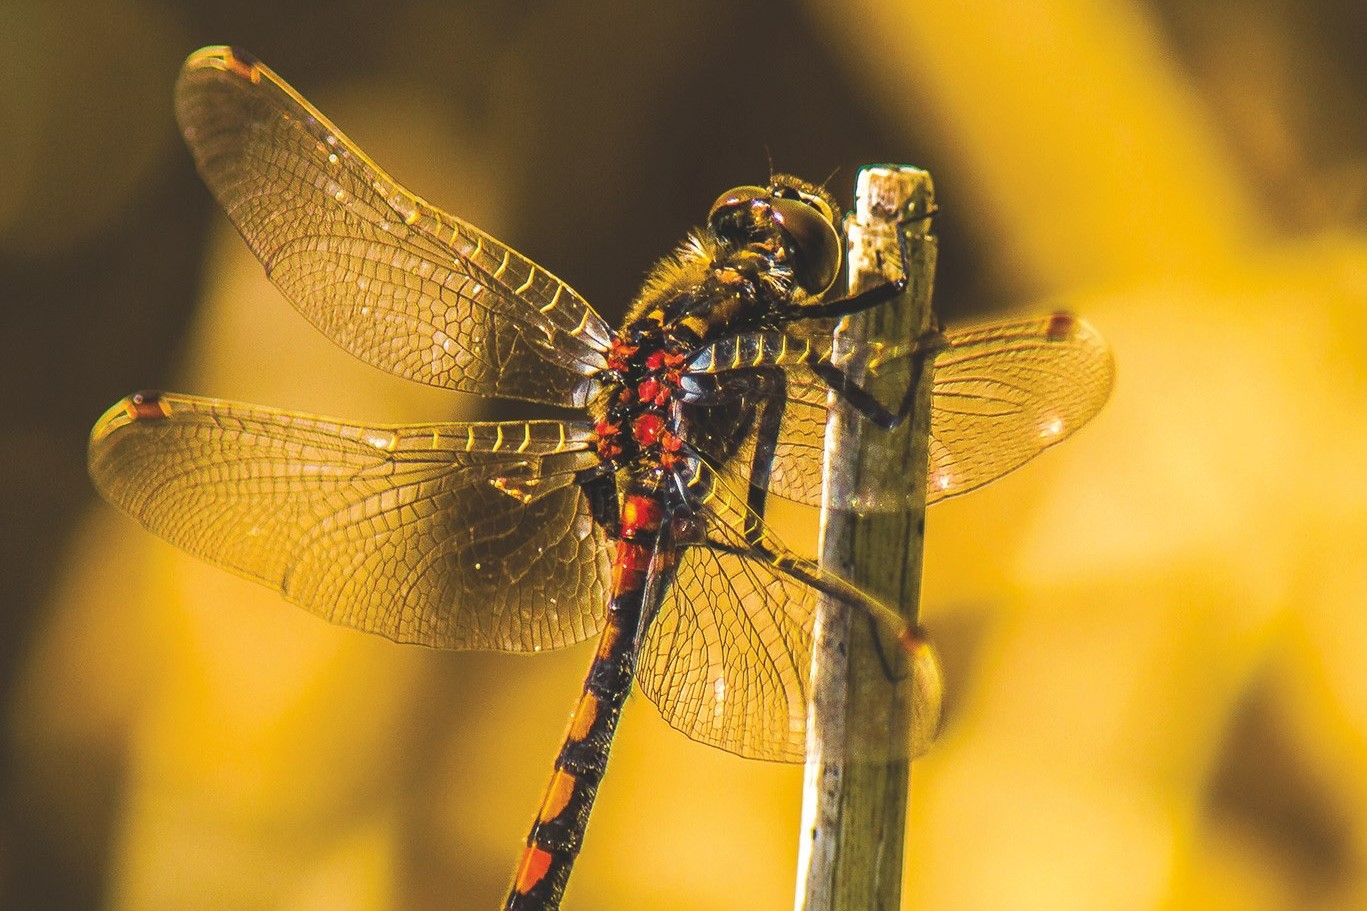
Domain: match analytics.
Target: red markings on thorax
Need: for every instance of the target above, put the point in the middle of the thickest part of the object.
(619, 355)
(667, 361)
(637, 419)
(637, 423)
(647, 428)
(609, 445)
(670, 446)
(650, 430)
(651, 392)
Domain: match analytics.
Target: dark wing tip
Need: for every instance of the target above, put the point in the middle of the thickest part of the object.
(232, 60)
(1067, 327)
(140, 407)
(1061, 326)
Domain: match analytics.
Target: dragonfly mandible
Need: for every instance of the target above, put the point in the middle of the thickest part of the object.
(639, 521)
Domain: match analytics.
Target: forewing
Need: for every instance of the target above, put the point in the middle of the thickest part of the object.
(1002, 393)
(1005, 392)
(392, 279)
(451, 535)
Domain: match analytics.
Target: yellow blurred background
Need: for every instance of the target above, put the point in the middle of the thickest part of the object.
(1155, 637)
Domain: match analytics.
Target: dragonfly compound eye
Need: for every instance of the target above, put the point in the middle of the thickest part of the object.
(734, 199)
(815, 241)
(803, 219)
(739, 213)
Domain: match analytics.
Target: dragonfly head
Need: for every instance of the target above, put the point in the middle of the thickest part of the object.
(802, 217)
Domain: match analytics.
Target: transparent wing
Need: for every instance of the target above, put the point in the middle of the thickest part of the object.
(796, 471)
(392, 279)
(1002, 394)
(728, 657)
(1005, 392)
(450, 535)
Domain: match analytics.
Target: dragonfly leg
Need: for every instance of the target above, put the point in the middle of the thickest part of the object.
(884, 623)
(865, 402)
(869, 297)
(772, 386)
(847, 388)
(844, 306)
(764, 392)
(600, 487)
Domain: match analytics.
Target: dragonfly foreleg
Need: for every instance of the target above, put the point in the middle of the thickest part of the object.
(869, 297)
(845, 306)
(864, 401)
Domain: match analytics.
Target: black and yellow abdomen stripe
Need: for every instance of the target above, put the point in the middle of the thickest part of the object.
(558, 832)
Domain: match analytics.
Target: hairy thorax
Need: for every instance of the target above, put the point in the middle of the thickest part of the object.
(700, 293)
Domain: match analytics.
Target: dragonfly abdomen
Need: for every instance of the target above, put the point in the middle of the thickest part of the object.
(558, 832)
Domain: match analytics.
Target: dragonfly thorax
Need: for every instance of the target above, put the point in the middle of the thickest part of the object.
(638, 410)
(763, 252)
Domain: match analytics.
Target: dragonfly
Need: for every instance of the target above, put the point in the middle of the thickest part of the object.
(639, 520)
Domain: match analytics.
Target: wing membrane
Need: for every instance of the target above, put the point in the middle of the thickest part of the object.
(728, 657)
(797, 464)
(725, 432)
(392, 279)
(1002, 394)
(452, 535)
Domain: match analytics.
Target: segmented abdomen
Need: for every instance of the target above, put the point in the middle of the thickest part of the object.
(558, 832)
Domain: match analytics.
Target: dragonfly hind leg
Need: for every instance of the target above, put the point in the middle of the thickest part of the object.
(599, 484)
(886, 626)
(772, 388)
(764, 393)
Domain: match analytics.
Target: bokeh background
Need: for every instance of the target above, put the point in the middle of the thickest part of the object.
(1155, 637)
